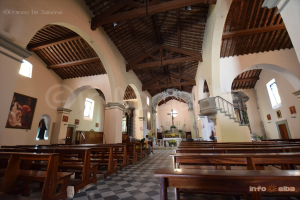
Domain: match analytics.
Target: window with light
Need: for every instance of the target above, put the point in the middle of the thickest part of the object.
(26, 69)
(88, 109)
(148, 101)
(274, 94)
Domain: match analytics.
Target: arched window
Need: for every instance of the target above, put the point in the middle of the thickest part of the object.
(88, 109)
(26, 69)
(148, 101)
(274, 94)
(43, 128)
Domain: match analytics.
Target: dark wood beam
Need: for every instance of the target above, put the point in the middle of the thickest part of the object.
(183, 51)
(164, 62)
(52, 42)
(246, 79)
(169, 85)
(136, 36)
(253, 31)
(129, 92)
(154, 79)
(156, 29)
(181, 77)
(145, 55)
(100, 20)
(79, 62)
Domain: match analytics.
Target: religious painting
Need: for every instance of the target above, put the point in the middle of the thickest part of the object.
(21, 112)
(76, 121)
(97, 124)
(148, 120)
(278, 112)
(65, 118)
(292, 110)
(269, 117)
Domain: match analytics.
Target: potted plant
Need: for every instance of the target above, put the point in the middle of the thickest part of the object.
(172, 143)
(260, 138)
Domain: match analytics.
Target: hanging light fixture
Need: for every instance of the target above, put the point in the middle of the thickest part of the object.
(188, 7)
(115, 23)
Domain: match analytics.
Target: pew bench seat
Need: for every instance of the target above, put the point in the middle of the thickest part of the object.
(14, 197)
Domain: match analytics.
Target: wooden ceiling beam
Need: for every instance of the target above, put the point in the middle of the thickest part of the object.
(79, 62)
(164, 62)
(246, 79)
(154, 20)
(100, 20)
(181, 77)
(183, 51)
(253, 31)
(52, 42)
(145, 55)
(155, 79)
(169, 85)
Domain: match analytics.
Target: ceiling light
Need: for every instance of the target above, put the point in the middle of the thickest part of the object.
(188, 8)
(115, 24)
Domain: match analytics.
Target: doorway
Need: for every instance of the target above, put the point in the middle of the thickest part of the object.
(283, 129)
(70, 136)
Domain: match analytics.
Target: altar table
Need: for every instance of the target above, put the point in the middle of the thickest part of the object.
(178, 140)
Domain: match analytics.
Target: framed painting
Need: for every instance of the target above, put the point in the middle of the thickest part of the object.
(21, 112)
(269, 117)
(292, 110)
(97, 124)
(65, 118)
(76, 121)
(278, 112)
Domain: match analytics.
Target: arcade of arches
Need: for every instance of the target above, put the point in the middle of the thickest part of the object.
(73, 62)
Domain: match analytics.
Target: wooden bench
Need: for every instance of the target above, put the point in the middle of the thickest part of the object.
(251, 161)
(83, 168)
(18, 168)
(14, 197)
(226, 181)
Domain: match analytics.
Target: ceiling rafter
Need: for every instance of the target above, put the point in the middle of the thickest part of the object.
(100, 20)
(53, 42)
(253, 31)
(246, 79)
(79, 62)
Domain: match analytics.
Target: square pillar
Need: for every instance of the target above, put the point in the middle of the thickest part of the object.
(62, 121)
(113, 123)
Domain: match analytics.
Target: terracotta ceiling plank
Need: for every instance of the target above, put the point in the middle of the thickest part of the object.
(140, 58)
(182, 51)
(141, 12)
(274, 16)
(279, 43)
(232, 16)
(246, 79)
(52, 57)
(244, 18)
(251, 14)
(271, 41)
(257, 12)
(267, 17)
(156, 29)
(52, 42)
(253, 31)
(225, 47)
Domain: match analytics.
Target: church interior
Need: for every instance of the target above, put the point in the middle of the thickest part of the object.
(149, 99)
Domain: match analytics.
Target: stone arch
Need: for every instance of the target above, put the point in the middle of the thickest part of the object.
(69, 101)
(291, 77)
(47, 119)
(139, 99)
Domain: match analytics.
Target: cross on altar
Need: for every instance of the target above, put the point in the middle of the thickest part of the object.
(172, 113)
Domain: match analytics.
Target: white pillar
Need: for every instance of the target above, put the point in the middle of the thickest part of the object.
(62, 121)
(11, 56)
(192, 121)
(289, 11)
(153, 125)
(113, 123)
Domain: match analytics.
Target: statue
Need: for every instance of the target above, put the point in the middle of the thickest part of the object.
(42, 128)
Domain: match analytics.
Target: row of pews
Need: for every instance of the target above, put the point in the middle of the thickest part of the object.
(56, 167)
(250, 170)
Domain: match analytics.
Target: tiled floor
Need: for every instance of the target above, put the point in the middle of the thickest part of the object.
(136, 182)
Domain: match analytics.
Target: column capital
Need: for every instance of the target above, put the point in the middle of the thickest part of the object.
(297, 94)
(141, 118)
(115, 105)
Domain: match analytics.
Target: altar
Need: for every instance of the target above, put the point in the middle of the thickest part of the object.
(178, 141)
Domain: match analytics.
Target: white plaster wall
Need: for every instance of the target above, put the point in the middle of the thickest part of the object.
(287, 99)
(284, 62)
(37, 87)
(78, 109)
(253, 112)
(183, 115)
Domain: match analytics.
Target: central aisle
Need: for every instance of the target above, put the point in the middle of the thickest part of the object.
(137, 182)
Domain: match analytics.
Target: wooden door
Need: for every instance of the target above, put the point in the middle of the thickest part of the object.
(69, 135)
(283, 131)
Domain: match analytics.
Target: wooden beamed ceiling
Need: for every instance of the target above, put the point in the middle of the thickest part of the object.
(129, 93)
(65, 52)
(164, 48)
(249, 29)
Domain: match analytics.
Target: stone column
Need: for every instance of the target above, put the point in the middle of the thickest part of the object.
(113, 123)
(153, 125)
(194, 127)
(62, 121)
(297, 94)
(11, 56)
(142, 121)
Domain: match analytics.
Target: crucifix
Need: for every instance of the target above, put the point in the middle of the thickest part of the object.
(172, 113)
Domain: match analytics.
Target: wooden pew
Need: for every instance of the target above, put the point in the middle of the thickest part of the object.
(14, 197)
(226, 181)
(82, 167)
(236, 146)
(251, 161)
(18, 168)
(131, 151)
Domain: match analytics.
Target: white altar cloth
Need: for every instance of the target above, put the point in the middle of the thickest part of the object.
(178, 140)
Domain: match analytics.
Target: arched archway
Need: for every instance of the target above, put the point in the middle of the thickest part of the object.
(47, 121)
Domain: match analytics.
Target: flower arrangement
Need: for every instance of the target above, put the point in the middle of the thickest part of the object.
(173, 126)
(172, 142)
